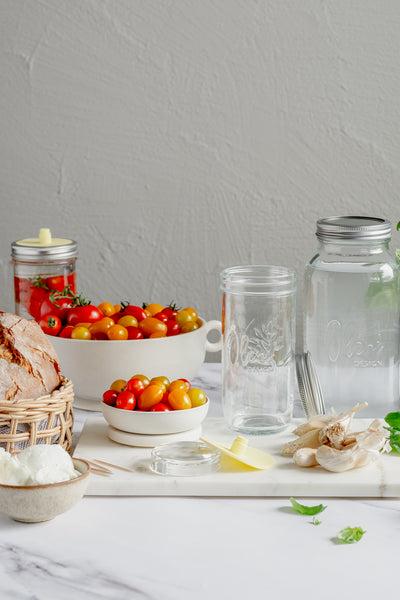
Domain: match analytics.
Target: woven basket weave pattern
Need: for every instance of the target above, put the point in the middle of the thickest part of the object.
(45, 420)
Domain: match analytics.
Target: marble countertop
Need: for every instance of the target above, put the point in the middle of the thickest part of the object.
(166, 548)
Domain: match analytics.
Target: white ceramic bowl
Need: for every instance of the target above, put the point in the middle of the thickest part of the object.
(37, 503)
(93, 365)
(155, 423)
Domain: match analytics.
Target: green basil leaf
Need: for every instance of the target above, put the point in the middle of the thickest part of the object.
(307, 510)
(350, 535)
(393, 419)
(316, 521)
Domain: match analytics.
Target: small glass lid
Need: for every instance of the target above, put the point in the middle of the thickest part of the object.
(188, 459)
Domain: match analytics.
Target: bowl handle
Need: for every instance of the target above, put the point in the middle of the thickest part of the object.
(214, 346)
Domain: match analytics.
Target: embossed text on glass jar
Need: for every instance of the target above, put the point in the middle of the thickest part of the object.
(258, 316)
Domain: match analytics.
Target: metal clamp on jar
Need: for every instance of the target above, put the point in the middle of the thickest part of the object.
(41, 265)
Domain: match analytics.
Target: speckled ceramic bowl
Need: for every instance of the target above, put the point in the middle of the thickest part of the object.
(37, 503)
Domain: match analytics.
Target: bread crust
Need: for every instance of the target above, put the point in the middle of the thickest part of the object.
(29, 365)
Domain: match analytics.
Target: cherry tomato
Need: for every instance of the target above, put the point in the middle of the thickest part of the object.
(117, 332)
(86, 314)
(99, 336)
(66, 332)
(153, 308)
(158, 334)
(171, 311)
(125, 400)
(192, 312)
(145, 379)
(50, 324)
(173, 327)
(179, 384)
(128, 321)
(135, 385)
(151, 325)
(160, 407)
(57, 283)
(57, 303)
(134, 333)
(197, 397)
(71, 282)
(109, 397)
(161, 316)
(37, 293)
(118, 385)
(135, 311)
(189, 326)
(81, 333)
(179, 399)
(106, 308)
(150, 396)
(163, 380)
(184, 316)
(101, 326)
(159, 384)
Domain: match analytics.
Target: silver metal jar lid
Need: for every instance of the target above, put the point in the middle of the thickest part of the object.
(310, 391)
(354, 229)
(43, 248)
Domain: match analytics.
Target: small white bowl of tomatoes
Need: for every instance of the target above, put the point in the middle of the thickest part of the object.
(97, 343)
(154, 406)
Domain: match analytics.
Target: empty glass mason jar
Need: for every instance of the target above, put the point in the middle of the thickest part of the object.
(258, 324)
(351, 320)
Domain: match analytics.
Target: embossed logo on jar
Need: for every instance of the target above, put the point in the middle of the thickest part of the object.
(345, 341)
(263, 350)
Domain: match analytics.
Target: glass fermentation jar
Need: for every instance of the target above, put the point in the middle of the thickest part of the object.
(41, 265)
(351, 318)
(258, 324)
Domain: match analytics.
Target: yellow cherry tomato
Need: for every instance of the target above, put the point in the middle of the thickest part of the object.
(151, 325)
(101, 326)
(117, 332)
(160, 384)
(184, 316)
(179, 384)
(128, 321)
(197, 397)
(189, 326)
(158, 334)
(150, 396)
(163, 380)
(143, 378)
(118, 385)
(179, 399)
(80, 333)
(106, 308)
(153, 308)
(192, 312)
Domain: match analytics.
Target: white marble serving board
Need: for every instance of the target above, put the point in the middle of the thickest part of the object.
(380, 479)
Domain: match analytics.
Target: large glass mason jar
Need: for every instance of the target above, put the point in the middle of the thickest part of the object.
(351, 321)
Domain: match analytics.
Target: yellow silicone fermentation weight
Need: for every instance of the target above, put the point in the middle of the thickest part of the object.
(241, 451)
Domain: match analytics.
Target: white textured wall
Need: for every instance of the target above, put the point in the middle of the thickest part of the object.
(173, 138)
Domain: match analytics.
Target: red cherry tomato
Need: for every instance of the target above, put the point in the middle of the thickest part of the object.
(84, 314)
(57, 283)
(134, 333)
(170, 312)
(66, 332)
(172, 327)
(56, 303)
(135, 385)
(125, 400)
(161, 316)
(135, 311)
(50, 324)
(160, 407)
(109, 397)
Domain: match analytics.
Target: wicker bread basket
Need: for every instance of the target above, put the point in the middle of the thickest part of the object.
(45, 420)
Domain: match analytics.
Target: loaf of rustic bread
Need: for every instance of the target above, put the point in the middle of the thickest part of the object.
(29, 365)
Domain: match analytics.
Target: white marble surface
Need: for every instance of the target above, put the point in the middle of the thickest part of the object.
(166, 548)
